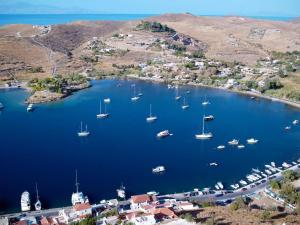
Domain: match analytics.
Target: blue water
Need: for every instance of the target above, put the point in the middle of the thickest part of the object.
(43, 146)
(50, 19)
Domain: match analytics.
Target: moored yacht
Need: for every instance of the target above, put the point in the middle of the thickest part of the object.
(107, 100)
(241, 146)
(164, 133)
(135, 97)
(37, 204)
(252, 141)
(233, 142)
(213, 164)
(295, 122)
(151, 118)
(185, 105)
(205, 102)
(159, 169)
(102, 115)
(30, 108)
(203, 135)
(121, 192)
(177, 96)
(220, 185)
(78, 197)
(25, 201)
(209, 118)
(221, 147)
(242, 182)
(287, 128)
(83, 133)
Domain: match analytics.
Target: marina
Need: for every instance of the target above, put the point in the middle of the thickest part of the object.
(182, 152)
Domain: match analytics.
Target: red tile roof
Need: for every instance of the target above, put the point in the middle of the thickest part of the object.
(164, 212)
(140, 198)
(80, 207)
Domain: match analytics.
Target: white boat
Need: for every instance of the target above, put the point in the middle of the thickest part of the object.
(205, 102)
(25, 201)
(209, 118)
(30, 108)
(185, 105)
(268, 172)
(217, 187)
(295, 122)
(256, 170)
(152, 193)
(213, 164)
(135, 97)
(188, 92)
(203, 135)
(234, 186)
(107, 100)
(140, 93)
(164, 133)
(151, 118)
(233, 142)
(242, 182)
(37, 204)
(121, 192)
(273, 164)
(252, 141)
(221, 147)
(1, 106)
(83, 133)
(159, 169)
(241, 146)
(286, 165)
(177, 96)
(102, 115)
(287, 128)
(220, 185)
(78, 197)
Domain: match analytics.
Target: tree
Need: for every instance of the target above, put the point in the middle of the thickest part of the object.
(290, 175)
(266, 215)
(275, 184)
(188, 217)
(238, 204)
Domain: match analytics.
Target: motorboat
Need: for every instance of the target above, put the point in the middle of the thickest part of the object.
(221, 147)
(209, 118)
(162, 134)
(159, 169)
(233, 142)
(252, 141)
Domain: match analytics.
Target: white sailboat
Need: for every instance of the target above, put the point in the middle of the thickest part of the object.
(78, 197)
(205, 102)
(102, 115)
(25, 201)
(185, 105)
(151, 118)
(177, 96)
(135, 97)
(38, 204)
(83, 133)
(204, 135)
(252, 141)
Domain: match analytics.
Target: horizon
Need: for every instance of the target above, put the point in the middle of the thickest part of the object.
(280, 8)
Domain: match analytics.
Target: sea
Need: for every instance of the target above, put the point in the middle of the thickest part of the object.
(43, 146)
(50, 19)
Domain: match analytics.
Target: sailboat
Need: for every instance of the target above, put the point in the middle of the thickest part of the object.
(83, 133)
(205, 102)
(135, 97)
(37, 204)
(151, 118)
(204, 135)
(102, 115)
(140, 92)
(185, 105)
(78, 197)
(177, 96)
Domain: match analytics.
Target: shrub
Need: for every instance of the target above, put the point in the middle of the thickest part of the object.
(266, 215)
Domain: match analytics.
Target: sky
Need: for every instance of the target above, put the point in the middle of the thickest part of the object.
(198, 7)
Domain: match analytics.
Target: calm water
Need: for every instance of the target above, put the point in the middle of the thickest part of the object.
(43, 146)
(49, 19)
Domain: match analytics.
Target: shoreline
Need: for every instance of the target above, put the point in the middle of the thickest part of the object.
(248, 93)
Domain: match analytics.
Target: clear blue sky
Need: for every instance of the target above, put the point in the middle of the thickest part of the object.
(203, 7)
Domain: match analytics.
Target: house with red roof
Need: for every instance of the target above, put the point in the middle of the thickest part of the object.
(137, 201)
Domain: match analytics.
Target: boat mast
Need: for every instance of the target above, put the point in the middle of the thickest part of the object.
(81, 126)
(203, 125)
(76, 183)
(37, 192)
(150, 110)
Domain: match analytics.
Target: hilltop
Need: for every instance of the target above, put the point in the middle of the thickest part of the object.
(180, 46)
